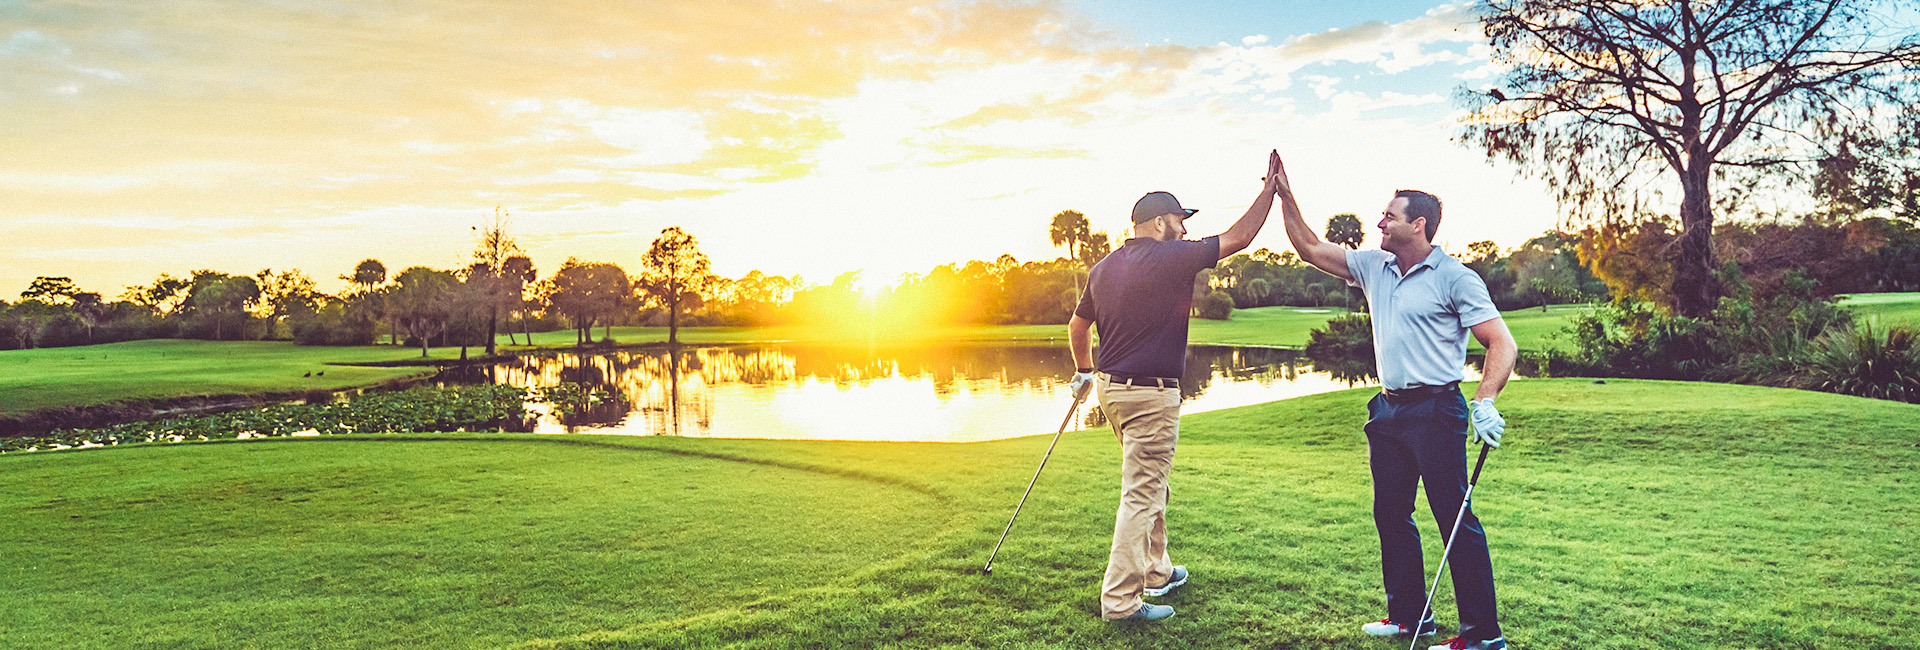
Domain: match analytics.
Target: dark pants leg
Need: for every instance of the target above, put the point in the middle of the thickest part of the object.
(1412, 441)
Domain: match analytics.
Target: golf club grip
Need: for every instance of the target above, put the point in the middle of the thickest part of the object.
(1484, 449)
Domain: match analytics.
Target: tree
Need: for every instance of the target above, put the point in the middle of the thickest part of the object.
(1603, 96)
(1070, 229)
(367, 303)
(587, 292)
(367, 274)
(518, 273)
(51, 290)
(1345, 230)
(421, 302)
(218, 297)
(673, 270)
(1094, 249)
(88, 307)
(289, 295)
(489, 276)
(164, 296)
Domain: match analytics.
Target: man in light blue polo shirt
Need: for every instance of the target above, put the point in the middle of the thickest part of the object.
(1424, 305)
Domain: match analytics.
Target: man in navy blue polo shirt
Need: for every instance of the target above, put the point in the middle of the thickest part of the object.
(1140, 296)
(1424, 304)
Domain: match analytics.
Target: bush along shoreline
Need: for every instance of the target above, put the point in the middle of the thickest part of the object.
(421, 409)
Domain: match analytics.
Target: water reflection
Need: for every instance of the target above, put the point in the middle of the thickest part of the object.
(940, 392)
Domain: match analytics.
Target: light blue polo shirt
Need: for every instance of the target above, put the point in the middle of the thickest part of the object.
(1421, 319)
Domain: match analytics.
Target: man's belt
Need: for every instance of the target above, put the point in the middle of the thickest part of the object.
(1416, 392)
(1142, 380)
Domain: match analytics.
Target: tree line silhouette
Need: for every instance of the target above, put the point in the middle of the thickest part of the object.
(499, 290)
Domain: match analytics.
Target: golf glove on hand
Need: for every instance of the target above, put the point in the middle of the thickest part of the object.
(1487, 422)
(1081, 384)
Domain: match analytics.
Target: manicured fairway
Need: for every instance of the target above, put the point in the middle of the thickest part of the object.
(1888, 307)
(1628, 515)
(94, 374)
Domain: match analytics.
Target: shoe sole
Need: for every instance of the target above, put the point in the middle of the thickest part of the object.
(1167, 588)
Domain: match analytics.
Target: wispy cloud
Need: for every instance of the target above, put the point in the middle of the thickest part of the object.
(384, 127)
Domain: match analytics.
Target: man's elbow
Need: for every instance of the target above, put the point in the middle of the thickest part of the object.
(1232, 242)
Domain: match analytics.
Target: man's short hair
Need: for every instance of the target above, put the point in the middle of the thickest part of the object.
(1421, 205)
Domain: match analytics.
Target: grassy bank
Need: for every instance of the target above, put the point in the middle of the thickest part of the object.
(170, 368)
(1626, 515)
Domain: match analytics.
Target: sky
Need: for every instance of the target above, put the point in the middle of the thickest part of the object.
(810, 137)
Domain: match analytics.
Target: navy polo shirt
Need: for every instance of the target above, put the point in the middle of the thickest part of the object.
(1139, 298)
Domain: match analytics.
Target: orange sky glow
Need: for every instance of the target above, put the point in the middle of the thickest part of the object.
(809, 138)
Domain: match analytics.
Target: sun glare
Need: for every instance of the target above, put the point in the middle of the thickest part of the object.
(872, 286)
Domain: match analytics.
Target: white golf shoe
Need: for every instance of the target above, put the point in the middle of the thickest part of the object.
(1384, 627)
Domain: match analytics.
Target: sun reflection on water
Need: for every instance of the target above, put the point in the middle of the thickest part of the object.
(929, 392)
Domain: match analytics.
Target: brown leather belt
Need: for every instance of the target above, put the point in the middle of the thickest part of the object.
(1416, 392)
(1138, 380)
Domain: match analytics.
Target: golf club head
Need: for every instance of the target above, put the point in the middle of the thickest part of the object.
(986, 570)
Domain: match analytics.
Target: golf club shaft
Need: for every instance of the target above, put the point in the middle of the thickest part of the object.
(1466, 501)
(1036, 479)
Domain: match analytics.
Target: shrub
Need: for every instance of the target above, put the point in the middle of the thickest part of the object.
(62, 331)
(1866, 361)
(1631, 339)
(1344, 348)
(1216, 305)
(334, 325)
(16, 333)
(1764, 340)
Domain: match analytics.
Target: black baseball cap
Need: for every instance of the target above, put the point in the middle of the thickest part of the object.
(1155, 204)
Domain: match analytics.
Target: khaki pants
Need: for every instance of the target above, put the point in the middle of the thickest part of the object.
(1146, 419)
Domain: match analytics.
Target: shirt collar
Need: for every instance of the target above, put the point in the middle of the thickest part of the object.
(1432, 260)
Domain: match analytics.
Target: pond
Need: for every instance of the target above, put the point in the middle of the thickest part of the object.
(955, 392)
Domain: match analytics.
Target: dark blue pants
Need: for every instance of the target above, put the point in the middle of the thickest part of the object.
(1425, 438)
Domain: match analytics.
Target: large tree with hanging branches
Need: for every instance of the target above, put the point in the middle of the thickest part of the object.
(1614, 102)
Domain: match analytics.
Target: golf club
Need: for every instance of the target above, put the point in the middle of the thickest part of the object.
(988, 570)
(1466, 501)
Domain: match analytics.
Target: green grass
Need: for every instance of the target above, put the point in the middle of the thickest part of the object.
(1633, 514)
(166, 368)
(1888, 307)
(1278, 326)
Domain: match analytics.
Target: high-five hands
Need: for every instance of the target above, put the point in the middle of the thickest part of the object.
(1276, 177)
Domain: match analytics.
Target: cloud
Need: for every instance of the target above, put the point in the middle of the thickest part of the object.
(337, 131)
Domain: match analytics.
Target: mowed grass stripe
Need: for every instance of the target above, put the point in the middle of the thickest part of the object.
(1623, 515)
(341, 543)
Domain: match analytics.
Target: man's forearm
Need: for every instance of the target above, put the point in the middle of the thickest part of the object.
(1298, 233)
(1240, 235)
(1080, 342)
(1501, 358)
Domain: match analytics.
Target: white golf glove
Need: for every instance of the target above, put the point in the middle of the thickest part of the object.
(1486, 420)
(1081, 384)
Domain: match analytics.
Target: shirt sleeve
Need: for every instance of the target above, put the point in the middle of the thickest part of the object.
(1357, 265)
(1203, 254)
(1471, 302)
(1084, 308)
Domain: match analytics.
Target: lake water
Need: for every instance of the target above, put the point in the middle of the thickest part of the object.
(959, 392)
